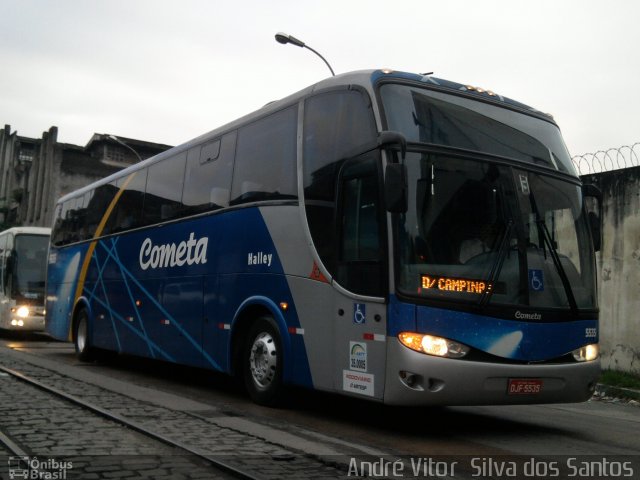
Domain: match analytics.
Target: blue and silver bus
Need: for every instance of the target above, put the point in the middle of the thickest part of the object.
(385, 235)
(23, 266)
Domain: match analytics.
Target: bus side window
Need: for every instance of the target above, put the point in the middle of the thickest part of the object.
(265, 166)
(207, 183)
(69, 232)
(336, 124)
(97, 206)
(163, 195)
(57, 237)
(127, 213)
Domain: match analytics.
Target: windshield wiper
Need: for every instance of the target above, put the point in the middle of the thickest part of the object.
(497, 265)
(558, 264)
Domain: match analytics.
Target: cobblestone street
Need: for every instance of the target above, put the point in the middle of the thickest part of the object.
(46, 427)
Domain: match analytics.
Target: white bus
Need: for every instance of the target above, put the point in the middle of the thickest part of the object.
(23, 271)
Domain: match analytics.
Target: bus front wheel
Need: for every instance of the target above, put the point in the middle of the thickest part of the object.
(84, 351)
(262, 362)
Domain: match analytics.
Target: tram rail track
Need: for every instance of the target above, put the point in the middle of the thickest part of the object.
(17, 450)
(205, 437)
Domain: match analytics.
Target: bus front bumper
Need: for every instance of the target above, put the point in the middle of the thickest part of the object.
(414, 378)
(31, 323)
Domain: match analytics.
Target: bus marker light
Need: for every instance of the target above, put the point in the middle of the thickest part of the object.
(284, 306)
(376, 337)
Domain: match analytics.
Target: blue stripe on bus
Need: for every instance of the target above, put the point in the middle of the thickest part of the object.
(512, 339)
(210, 292)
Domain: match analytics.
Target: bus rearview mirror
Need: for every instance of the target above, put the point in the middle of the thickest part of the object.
(395, 188)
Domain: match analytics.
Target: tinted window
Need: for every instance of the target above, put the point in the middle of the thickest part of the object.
(98, 202)
(127, 213)
(265, 167)
(30, 264)
(162, 201)
(432, 117)
(336, 125)
(208, 175)
(57, 234)
(360, 255)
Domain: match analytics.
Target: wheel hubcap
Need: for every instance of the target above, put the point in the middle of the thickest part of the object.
(263, 360)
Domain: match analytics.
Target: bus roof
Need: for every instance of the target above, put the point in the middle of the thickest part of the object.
(27, 231)
(366, 79)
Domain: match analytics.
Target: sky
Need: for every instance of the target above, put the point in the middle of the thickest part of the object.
(168, 71)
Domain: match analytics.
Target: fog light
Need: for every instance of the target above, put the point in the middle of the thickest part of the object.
(587, 353)
(432, 345)
(14, 322)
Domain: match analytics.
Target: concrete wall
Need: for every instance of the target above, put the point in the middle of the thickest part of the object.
(619, 268)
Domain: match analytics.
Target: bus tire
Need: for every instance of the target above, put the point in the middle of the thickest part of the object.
(262, 362)
(84, 350)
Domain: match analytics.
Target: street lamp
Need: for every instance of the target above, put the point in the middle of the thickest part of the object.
(284, 39)
(117, 140)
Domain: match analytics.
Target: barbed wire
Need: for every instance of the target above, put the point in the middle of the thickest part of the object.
(607, 160)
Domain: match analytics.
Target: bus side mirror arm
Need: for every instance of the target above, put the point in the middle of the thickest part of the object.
(388, 138)
(595, 222)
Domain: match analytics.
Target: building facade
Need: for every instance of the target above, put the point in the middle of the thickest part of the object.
(35, 172)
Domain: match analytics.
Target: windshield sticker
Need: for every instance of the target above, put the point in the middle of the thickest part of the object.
(524, 184)
(536, 280)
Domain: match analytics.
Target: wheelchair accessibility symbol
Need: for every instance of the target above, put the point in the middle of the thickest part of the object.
(536, 280)
(359, 313)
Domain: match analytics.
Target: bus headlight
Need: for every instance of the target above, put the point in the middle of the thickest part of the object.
(22, 312)
(586, 353)
(432, 345)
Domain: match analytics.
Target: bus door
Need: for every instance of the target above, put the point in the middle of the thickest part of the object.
(359, 280)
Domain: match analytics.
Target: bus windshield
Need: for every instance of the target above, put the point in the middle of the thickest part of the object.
(487, 229)
(480, 232)
(29, 266)
(430, 117)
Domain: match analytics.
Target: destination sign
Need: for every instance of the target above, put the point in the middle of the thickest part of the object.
(452, 284)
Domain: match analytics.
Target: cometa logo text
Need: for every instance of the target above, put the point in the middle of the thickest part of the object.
(191, 251)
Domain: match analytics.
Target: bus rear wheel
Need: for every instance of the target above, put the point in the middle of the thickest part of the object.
(262, 362)
(84, 350)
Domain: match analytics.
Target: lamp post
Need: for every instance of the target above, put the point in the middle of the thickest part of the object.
(117, 140)
(284, 39)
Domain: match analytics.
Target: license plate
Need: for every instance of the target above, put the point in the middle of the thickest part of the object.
(524, 386)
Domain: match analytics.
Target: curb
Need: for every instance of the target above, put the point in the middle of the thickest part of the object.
(611, 391)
